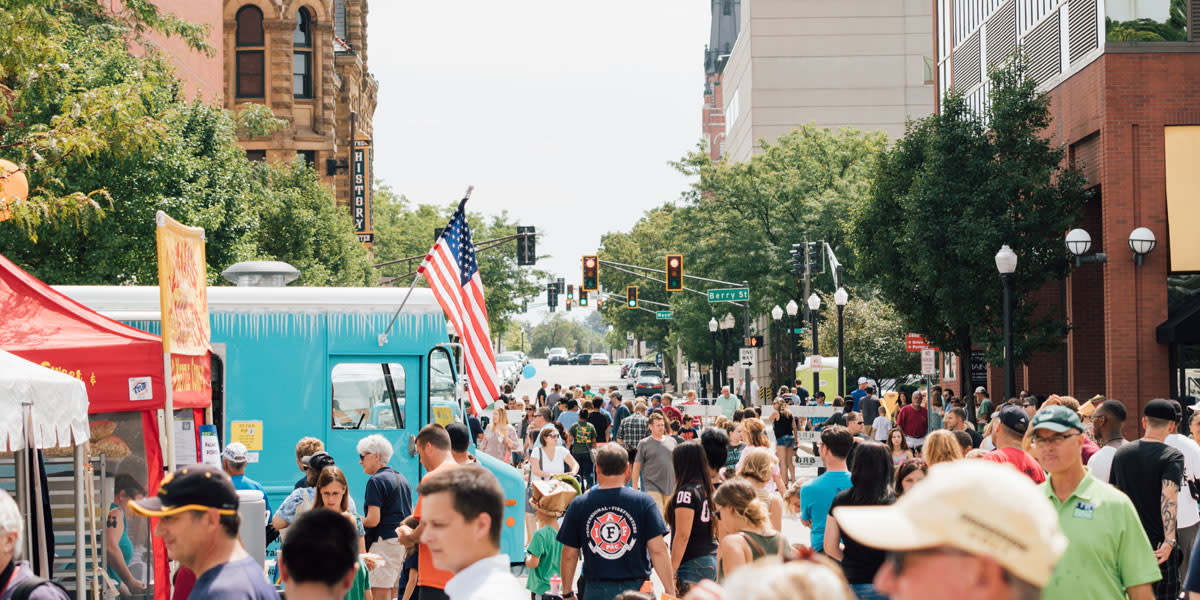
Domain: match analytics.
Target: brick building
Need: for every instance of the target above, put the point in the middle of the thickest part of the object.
(307, 61)
(726, 17)
(1127, 112)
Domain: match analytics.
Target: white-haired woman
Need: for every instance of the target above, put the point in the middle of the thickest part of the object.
(12, 571)
(388, 501)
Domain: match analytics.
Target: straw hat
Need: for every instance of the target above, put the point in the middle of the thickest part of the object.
(553, 496)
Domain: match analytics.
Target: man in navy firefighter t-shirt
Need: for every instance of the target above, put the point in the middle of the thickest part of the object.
(618, 529)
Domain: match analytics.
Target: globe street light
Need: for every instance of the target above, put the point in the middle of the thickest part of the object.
(840, 298)
(793, 309)
(1141, 241)
(776, 315)
(714, 377)
(814, 304)
(1078, 243)
(1006, 264)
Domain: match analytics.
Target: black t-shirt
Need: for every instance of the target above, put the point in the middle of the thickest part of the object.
(859, 562)
(700, 541)
(600, 421)
(783, 425)
(1138, 469)
(387, 484)
(611, 528)
(870, 409)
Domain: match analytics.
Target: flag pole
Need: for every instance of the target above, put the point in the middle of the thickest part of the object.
(383, 337)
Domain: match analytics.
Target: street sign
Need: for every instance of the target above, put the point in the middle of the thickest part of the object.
(729, 295)
(805, 460)
(799, 330)
(929, 362)
(746, 358)
(629, 336)
(808, 436)
(816, 362)
(730, 372)
(662, 315)
(813, 411)
(915, 342)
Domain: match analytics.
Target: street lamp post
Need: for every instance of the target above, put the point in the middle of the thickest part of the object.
(776, 342)
(713, 381)
(814, 304)
(840, 297)
(1006, 263)
(792, 308)
(727, 323)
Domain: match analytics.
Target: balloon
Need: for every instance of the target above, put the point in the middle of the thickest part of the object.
(13, 186)
(528, 372)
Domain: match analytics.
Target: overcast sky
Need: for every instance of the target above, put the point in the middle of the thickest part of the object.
(564, 113)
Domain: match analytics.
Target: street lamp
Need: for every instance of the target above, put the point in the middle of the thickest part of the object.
(792, 310)
(714, 376)
(1078, 243)
(776, 315)
(1006, 263)
(840, 298)
(1141, 241)
(727, 323)
(814, 304)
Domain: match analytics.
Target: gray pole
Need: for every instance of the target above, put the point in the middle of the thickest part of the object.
(841, 353)
(815, 352)
(747, 400)
(1010, 376)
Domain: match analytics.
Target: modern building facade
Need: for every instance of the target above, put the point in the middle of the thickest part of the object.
(866, 64)
(1123, 80)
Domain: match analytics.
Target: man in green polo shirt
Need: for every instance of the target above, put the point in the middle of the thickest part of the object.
(1109, 553)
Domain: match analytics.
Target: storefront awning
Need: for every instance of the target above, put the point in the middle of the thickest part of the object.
(1183, 326)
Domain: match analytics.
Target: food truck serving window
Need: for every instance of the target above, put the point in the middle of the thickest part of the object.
(368, 396)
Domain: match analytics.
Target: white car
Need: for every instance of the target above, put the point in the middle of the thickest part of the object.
(599, 358)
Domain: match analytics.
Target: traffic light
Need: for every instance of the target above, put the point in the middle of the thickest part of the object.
(674, 272)
(570, 292)
(562, 287)
(569, 302)
(797, 262)
(815, 264)
(591, 281)
(552, 295)
(526, 255)
(754, 341)
(583, 297)
(631, 296)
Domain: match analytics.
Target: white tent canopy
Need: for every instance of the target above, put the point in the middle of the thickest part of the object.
(59, 406)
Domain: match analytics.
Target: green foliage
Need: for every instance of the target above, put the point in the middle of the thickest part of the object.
(945, 199)
(404, 229)
(873, 339)
(560, 331)
(1174, 29)
(71, 93)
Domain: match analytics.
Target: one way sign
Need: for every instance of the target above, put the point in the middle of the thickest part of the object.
(746, 358)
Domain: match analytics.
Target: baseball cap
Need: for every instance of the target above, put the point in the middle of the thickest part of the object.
(980, 390)
(195, 487)
(1014, 417)
(235, 453)
(1159, 408)
(1057, 418)
(1020, 532)
(862, 380)
(318, 461)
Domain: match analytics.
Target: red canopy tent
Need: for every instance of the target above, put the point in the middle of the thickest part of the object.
(121, 366)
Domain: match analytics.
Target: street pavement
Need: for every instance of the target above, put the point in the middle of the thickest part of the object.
(608, 376)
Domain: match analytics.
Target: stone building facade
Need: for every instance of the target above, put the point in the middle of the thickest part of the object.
(307, 61)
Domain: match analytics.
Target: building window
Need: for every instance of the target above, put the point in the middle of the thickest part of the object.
(339, 20)
(302, 56)
(927, 61)
(256, 155)
(949, 366)
(309, 157)
(727, 7)
(249, 40)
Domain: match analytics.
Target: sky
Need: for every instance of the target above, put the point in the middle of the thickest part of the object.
(563, 113)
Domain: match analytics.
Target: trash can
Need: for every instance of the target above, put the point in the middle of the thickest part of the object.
(252, 508)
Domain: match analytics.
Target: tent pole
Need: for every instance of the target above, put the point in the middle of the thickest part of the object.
(80, 474)
(91, 502)
(42, 569)
(169, 416)
(22, 458)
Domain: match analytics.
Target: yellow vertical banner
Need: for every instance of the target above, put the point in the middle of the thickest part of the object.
(183, 299)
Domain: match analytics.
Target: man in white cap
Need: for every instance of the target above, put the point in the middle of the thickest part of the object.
(1109, 554)
(233, 462)
(939, 547)
(860, 393)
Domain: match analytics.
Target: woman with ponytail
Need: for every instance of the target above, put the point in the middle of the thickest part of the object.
(748, 532)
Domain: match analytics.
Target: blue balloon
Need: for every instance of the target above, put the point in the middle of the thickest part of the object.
(528, 372)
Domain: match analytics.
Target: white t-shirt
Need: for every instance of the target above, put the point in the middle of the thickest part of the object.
(1100, 464)
(1189, 511)
(882, 426)
(552, 464)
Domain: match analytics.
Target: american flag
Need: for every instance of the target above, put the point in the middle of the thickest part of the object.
(453, 275)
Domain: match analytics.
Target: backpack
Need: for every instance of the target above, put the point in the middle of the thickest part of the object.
(25, 589)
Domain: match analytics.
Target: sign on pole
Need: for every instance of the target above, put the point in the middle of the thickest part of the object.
(929, 362)
(729, 295)
(806, 460)
(662, 315)
(915, 342)
(816, 362)
(629, 336)
(808, 436)
(746, 358)
(360, 190)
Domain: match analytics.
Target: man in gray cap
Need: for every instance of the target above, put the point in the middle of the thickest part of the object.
(1151, 473)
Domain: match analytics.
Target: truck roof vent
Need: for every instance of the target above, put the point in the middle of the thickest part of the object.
(261, 273)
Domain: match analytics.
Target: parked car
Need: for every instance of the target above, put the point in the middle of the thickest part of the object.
(599, 358)
(559, 356)
(648, 384)
(581, 359)
(509, 369)
(633, 372)
(626, 364)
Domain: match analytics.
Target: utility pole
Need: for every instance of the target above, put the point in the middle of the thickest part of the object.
(747, 399)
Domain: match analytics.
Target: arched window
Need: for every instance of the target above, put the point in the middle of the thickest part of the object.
(251, 76)
(302, 56)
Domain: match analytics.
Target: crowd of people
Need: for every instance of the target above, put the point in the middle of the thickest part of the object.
(928, 497)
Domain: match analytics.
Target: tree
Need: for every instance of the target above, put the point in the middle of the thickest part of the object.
(558, 331)
(873, 339)
(72, 94)
(944, 200)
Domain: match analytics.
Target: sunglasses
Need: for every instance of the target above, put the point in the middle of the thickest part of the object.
(364, 456)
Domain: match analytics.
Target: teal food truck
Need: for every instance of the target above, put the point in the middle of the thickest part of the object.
(290, 362)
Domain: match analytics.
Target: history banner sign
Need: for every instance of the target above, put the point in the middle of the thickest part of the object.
(360, 190)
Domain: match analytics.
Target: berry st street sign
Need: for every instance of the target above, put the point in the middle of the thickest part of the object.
(662, 315)
(729, 295)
